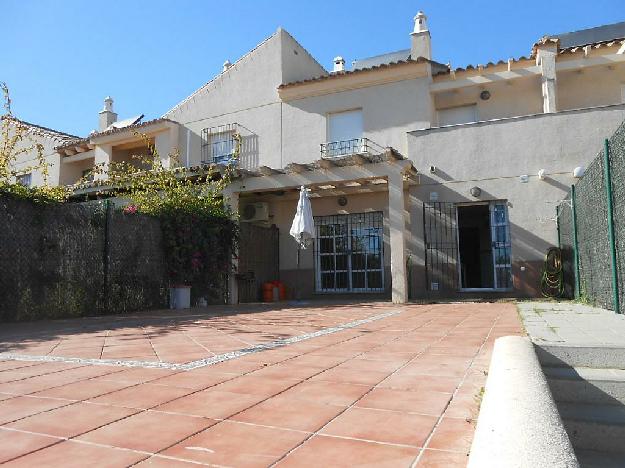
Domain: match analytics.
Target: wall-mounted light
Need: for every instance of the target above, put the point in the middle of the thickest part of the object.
(578, 172)
(485, 95)
(432, 169)
(541, 174)
(475, 191)
(524, 179)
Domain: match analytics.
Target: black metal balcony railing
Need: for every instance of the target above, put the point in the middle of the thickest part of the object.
(335, 149)
(219, 144)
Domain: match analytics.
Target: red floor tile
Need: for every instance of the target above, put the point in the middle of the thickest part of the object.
(330, 393)
(142, 396)
(71, 420)
(20, 407)
(382, 426)
(453, 434)
(14, 444)
(251, 385)
(211, 404)
(71, 454)
(149, 431)
(237, 444)
(421, 383)
(334, 452)
(432, 403)
(83, 389)
(442, 459)
(353, 376)
(193, 380)
(290, 413)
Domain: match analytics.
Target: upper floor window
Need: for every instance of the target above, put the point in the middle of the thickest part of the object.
(344, 133)
(24, 179)
(457, 115)
(344, 126)
(218, 144)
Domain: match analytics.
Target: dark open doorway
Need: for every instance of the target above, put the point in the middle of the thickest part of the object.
(475, 247)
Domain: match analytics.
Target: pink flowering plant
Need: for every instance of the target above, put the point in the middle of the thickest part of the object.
(199, 234)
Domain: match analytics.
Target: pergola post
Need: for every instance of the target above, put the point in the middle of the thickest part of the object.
(103, 155)
(397, 230)
(232, 201)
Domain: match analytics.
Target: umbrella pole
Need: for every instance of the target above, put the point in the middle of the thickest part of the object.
(297, 291)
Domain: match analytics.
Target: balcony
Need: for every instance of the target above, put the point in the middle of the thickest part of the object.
(338, 149)
(221, 145)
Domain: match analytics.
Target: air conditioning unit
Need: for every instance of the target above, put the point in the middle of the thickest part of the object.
(255, 212)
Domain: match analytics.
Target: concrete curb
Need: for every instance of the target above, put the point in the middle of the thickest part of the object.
(519, 424)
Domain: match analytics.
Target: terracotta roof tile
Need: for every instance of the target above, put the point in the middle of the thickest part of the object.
(77, 141)
(336, 75)
(40, 130)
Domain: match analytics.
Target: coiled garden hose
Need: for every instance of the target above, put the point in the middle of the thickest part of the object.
(551, 282)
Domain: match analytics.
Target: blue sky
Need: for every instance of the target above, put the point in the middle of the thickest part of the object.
(60, 58)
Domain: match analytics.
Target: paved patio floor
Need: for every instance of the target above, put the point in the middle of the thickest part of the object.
(336, 385)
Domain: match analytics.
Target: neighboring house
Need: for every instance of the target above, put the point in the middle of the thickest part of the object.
(427, 181)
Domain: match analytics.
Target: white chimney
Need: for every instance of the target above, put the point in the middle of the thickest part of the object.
(107, 116)
(227, 65)
(339, 64)
(421, 41)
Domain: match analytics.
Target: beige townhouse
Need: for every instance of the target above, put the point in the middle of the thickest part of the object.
(426, 180)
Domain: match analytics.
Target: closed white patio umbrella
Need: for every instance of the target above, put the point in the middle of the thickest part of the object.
(302, 229)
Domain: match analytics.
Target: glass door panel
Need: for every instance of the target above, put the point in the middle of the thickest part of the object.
(349, 249)
(500, 234)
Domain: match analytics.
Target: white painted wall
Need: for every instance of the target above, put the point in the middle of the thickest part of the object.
(388, 112)
(492, 156)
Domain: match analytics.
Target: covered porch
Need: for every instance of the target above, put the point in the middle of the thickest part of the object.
(361, 208)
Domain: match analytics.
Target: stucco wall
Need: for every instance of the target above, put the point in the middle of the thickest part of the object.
(596, 86)
(30, 159)
(247, 94)
(71, 172)
(389, 111)
(507, 99)
(492, 156)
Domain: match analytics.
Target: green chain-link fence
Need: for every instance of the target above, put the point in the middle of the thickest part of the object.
(593, 259)
(77, 259)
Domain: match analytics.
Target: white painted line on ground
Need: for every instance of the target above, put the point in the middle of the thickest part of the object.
(201, 362)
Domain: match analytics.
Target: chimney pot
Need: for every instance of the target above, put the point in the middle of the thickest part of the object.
(420, 22)
(107, 116)
(227, 65)
(339, 64)
(420, 38)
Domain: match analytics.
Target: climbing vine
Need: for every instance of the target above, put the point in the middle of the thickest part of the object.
(15, 143)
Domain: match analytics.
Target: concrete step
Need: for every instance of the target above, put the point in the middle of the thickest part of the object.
(592, 459)
(594, 427)
(586, 385)
(600, 357)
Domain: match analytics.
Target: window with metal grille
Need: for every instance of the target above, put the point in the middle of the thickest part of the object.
(349, 253)
(24, 179)
(218, 144)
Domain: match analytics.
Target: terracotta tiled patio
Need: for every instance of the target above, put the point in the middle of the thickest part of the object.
(388, 390)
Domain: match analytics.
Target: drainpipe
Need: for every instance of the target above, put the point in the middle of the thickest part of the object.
(575, 246)
(608, 193)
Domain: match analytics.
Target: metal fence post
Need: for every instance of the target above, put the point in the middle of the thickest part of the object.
(575, 245)
(608, 194)
(106, 254)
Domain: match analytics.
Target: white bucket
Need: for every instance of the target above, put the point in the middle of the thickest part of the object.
(180, 297)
